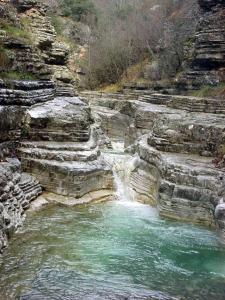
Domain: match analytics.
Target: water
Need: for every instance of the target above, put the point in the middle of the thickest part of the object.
(116, 250)
(122, 165)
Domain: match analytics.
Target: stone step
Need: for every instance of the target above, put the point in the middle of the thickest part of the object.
(33, 194)
(193, 104)
(75, 135)
(65, 91)
(58, 146)
(62, 119)
(31, 188)
(59, 155)
(165, 145)
(70, 178)
(155, 98)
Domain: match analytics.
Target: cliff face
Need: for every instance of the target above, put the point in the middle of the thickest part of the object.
(32, 46)
(205, 54)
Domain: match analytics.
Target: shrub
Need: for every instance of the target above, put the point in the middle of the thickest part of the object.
(55, 20)
(16, 32)
(16, 75)
(77, 9)
(6, 57)
(211, 91)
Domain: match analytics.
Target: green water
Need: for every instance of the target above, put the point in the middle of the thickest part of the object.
(115, 250)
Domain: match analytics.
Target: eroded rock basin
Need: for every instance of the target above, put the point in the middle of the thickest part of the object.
(112, 250)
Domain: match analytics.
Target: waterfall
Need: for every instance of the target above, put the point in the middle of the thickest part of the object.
(122, 165)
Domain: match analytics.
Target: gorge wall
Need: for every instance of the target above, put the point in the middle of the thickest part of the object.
(17, 189)
(205, 53)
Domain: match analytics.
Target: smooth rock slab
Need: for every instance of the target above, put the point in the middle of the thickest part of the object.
(93, 196)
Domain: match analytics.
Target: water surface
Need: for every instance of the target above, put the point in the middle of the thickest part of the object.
(115, 250)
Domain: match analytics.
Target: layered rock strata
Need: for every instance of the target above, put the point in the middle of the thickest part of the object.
(31, 46)
(26, 93)
(57, 142)
(176, 138)
(205, 54)
(62, 150)
(53, 53)
(17, 190)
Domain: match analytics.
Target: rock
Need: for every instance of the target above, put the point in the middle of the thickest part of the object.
(26, 93)
(185, 186)
(16, 192)
(204, 63)
(2, 33)
(10, 123)
(23, 5)
(52, 52)
(38, 204)
(63, 154)
(93, 196)
(220, 211)
(64, 119)
(220, 218)
(175, 138)
(208, 4)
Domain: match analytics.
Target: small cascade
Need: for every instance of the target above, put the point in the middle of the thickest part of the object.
(122, 165)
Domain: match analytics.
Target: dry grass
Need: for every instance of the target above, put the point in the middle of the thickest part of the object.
(112, 88)
(135, 73)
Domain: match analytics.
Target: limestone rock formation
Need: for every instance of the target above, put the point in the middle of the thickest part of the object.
(26, 93)
(17, 189)
(57, 141)
(53, 53)
(62, 150)
(33, 47)
(205, 54)
(16, 192)
(176, 138)
(187, 184)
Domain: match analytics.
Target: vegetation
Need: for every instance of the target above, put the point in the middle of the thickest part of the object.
(17, 75)
(124, 33)
(19, 31)
(5, 58)
(77, 9)
(211, 91)
(16, 32)
(55, 20)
